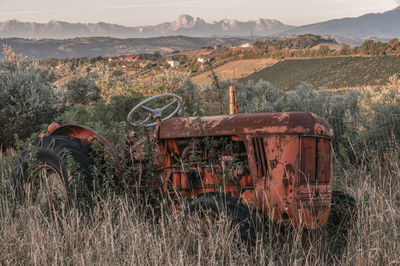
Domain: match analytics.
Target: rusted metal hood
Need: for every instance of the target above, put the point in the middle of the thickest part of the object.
(252, 123)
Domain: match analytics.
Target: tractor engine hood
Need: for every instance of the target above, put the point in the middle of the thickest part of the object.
(242, 124)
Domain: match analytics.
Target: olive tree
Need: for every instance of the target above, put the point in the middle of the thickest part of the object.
(27, 100)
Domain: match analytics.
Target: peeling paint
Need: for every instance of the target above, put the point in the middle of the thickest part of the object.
(254, 123)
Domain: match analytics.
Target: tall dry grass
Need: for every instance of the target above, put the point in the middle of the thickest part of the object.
(118, 230)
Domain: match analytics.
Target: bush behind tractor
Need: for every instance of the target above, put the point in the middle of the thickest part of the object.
(276, 164)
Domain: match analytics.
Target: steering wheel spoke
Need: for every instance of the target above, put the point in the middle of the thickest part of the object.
(147, 119)
(168, 105)
(148, 109)
(154, 113)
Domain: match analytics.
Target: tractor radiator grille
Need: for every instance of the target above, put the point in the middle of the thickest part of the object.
(315, 160)
(260, 157)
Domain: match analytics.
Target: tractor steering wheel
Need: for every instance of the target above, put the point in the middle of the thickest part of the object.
(155, 113)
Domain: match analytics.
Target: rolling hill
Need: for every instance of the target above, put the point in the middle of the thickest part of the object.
(329, 73)
(103, 46)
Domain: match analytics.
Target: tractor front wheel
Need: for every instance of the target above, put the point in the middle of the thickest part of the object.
(343, 214)
(215, 205)
(46, 176)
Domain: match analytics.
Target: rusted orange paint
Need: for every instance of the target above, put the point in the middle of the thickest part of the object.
(285, 170)
(277, 145)
(87, 136)
(228, 125)
(52, 127)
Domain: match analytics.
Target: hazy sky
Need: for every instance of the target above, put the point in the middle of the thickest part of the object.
(151, 12)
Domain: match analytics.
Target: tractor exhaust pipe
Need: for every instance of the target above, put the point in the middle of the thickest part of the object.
(232, 100)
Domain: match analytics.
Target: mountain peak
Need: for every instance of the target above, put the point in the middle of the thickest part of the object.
(260, 21)
(396, 8)
(199, 20)
(184, 20)
(392, 10)
(228, 21)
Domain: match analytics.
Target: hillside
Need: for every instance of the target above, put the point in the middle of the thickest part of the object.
(102, 46)
(235, 69)
(384, 25)
(329, 73)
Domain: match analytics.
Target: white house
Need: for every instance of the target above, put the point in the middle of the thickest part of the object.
(247, 45)
(173, 63)
(202, 60)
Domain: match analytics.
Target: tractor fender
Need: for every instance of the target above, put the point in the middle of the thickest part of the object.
(87, 136)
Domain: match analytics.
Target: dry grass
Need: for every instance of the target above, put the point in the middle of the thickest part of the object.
(332, 46)
(236, 69)
(118, 230)
(196, 53)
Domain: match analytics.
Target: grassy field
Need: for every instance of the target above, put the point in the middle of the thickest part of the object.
(332, 46)
(329, 73)
(235, 69)
(119, 230)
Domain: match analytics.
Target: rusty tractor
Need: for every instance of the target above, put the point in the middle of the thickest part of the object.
(278, 164)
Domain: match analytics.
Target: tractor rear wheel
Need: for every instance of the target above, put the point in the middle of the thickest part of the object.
(214, 205)
(44, 176)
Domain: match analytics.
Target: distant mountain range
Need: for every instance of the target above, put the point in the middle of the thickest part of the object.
(375, 26)
(183, 25)
(370, 26)
(62, 39)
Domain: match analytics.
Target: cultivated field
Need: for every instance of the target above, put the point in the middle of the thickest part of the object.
(330, 73)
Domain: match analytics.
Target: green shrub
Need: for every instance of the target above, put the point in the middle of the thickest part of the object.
(27, 100)
(108, 119)
(80, 90)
